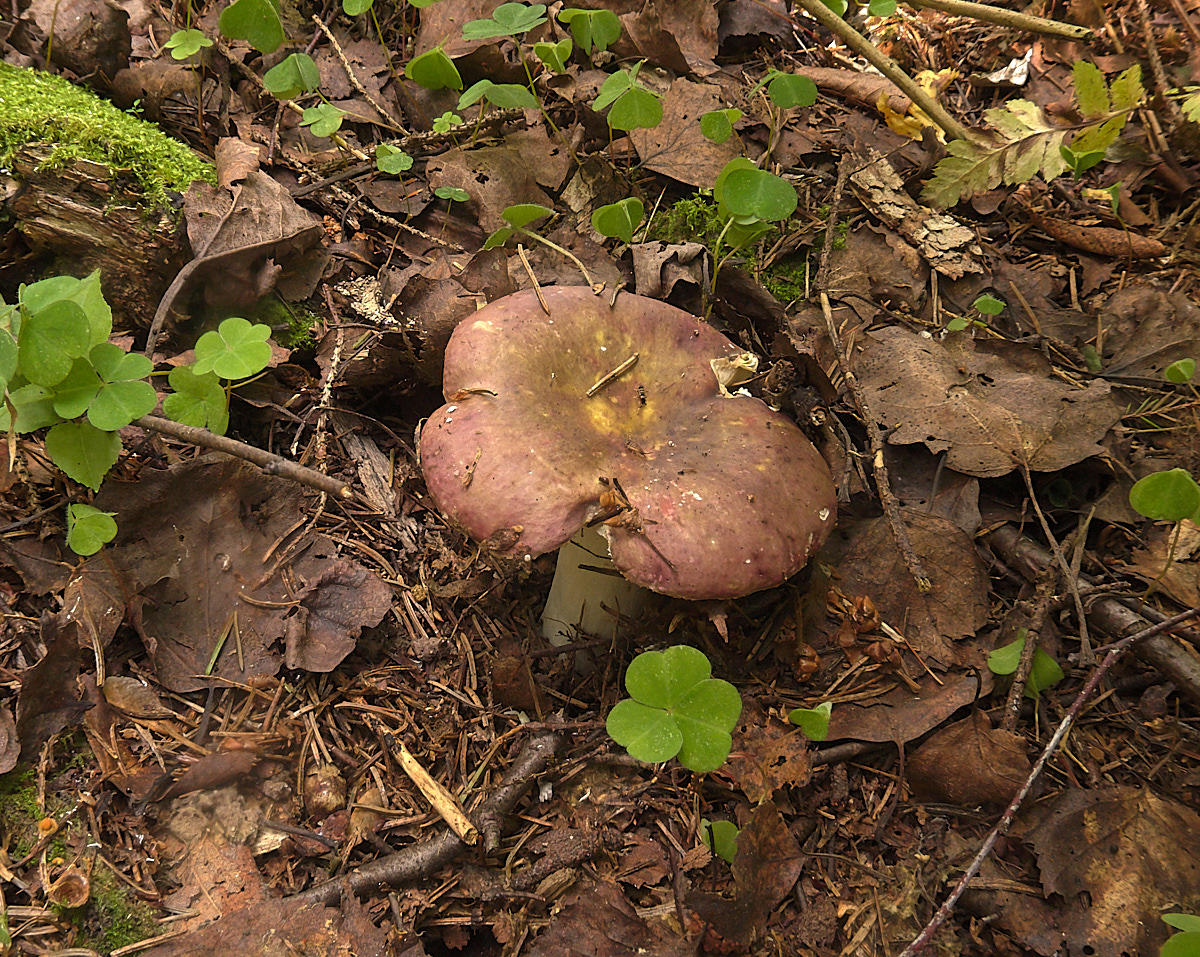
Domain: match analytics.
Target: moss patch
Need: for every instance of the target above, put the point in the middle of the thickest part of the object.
(41, 108)
(114, 917)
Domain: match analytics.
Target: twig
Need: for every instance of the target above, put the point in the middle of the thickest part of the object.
(888, 67)
(1173, 659)
(1014, 805)
(354, 80)
(269, 462)
(1041, 608)
(421, 859)
(1005, 18)
(882, 484)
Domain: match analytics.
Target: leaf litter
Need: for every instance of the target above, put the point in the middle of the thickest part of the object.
(238, 645)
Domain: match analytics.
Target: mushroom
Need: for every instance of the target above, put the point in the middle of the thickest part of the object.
(585, 414)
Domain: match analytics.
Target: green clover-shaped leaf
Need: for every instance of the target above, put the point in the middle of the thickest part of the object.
(506, 96)
(758, 194)
(592, 29)
(554, 55)
(324, 119)
(355, 7)
(787, 90)
(717, 125)
(720, 837)
(51, 339)
(454, 194)
(186, 43)
(446, 122)
(814, 722)
(74, 394)
(619, 219)
(676, 708)
(236, 350)
(198, 400)
(389, 159)
(89, 529)
(507, 20)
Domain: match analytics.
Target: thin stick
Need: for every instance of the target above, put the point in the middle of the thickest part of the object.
(269, 462)
(1005, 18)
(888, 67)
(424, 858)
(1014, 805)
(617, 372)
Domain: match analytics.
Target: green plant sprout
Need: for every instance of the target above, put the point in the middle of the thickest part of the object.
(619, 220)
(446, 122)
(58, 371)
(324, 119)
(717, 125)
(295, 75)
(434, 70)
(720, 837)
(518, 217)
(354, 8)
(507, 20)
(814, 722)
(633, 107)
(89, 529)
(554, 56)
(255, 21)
(1044, 673)
(676, 709)
(1180, 372)
(186, 43)
(1168, 496)
(391, 160)
(592, 29)
(1187, 942)
(986, 305)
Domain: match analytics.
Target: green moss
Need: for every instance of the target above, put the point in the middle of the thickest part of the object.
(19, 812)
(691, 220)
(113, 917)
(786, 279)
(292, 325)
(41, 108)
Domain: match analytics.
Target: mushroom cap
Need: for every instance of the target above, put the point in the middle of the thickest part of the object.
(725, 497)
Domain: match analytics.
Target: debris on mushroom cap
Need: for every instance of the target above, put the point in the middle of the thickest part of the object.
(700, 495)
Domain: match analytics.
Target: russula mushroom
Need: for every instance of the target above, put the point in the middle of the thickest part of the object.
(611, 416)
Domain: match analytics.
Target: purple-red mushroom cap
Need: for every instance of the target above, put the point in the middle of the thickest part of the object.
(700, 495)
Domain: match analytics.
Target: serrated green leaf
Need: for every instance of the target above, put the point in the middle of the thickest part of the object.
(434, 71)
(592, 29)
(198, 400)
(1127, 92)
(89, 529)
(1090, 91)
(256, 21)
(295, 75)
(83, 452)
(236, 350)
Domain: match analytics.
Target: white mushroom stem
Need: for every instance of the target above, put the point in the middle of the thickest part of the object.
(580, 596)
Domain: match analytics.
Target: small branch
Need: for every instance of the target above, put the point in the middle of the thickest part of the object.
(882, 483)
(269, 462)
(1005, 18)
(888, 67)
(1014, 805)
(418, 860)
